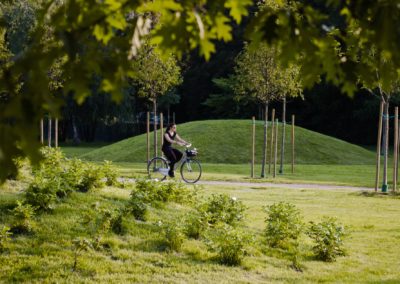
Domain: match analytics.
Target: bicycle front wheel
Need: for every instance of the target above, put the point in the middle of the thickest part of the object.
(157, 168)
(191, 171)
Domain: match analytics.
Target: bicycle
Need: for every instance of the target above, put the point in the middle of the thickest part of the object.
(190, 169)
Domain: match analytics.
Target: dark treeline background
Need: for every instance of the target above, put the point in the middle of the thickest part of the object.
(202, 95)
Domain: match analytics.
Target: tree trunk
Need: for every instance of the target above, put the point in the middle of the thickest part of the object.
(155, 125)
(385, 145)
(264, 160)
(283, 134)
(76, 140)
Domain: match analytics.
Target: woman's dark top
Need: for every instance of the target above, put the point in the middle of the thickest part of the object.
(167, 144)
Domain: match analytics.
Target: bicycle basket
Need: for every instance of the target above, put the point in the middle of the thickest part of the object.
(191, 153)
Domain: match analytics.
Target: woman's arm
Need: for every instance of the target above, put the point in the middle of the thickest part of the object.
(180, 139)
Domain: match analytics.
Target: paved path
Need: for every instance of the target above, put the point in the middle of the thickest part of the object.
(287, 185)
(280, 185)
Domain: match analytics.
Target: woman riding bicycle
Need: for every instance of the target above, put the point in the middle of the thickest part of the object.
(173, 155)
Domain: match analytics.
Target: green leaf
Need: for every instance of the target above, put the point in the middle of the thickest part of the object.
(238, 8)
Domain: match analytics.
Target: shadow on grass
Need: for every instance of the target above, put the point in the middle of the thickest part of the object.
(390, 194)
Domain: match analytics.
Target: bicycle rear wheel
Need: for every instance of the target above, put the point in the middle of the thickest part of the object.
(157, 168)
(191, 171)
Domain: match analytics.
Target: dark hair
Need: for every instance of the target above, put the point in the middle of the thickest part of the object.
(170, 126)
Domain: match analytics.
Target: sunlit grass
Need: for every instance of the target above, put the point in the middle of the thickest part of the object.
(139, 256)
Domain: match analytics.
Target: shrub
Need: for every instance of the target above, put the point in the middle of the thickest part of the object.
(195, 225)
(110, 173)
(91, 178)
(137, 205)
(222, 208)
(284, 225)
(118, 225)
(4, 238)
(157, 193)
(328, 236)
(177, 192)
(229, 243)
(41, 193)
(23, 214)
(74, 173)
(174, 235)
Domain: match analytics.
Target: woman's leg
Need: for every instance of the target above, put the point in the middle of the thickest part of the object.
(170, 154)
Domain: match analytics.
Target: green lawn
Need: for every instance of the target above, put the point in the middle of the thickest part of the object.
(229, 142)
(138, 256)
(352, 175)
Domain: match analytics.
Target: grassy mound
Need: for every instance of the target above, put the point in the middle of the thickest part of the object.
(229, 141)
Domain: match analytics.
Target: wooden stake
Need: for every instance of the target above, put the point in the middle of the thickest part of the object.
(272, 140)
(395, 144)
(155, 126)
(49, 132)
(293, 119)
(385, 147)
(162, 128)
(253, 146)
(41, 131)
(276, 146)
(265, 145)
(283, 135)
(148, 136)
(378, 147)
(56, 133)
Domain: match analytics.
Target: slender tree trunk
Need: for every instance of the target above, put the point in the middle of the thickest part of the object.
(49, 132)
(283, 134)
(155, 125)
(264, 160)
(385, 145)
(378, 145)
(272, 140)
(148, 136)
(41, 132)
(56, 133)
(75, 138)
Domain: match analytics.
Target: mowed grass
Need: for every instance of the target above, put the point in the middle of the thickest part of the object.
(350, 175)
(229, 142)
(139, 256)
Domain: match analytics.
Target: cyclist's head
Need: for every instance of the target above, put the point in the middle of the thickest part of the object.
(171, 126)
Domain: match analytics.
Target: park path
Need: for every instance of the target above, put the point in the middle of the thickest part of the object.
(280, 185)
(286, 185)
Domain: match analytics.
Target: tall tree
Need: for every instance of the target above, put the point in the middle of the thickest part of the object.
(292, 87)
(258, 74)
(154, 76)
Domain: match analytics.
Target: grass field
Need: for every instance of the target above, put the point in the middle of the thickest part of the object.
(229, 142)
(138, 256)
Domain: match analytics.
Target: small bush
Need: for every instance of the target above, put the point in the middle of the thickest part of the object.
(195, 225)
(174, 235)
(284, 225)
(177, 192)
(110, 173)
(137, 205)
(222, 208)
(118, 225)
(91, 178)
(328, 236)
(229, 243)
(5, 235)
(41, 193)
(23, 215)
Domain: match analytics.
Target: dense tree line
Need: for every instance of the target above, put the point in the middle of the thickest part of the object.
(57, 54)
